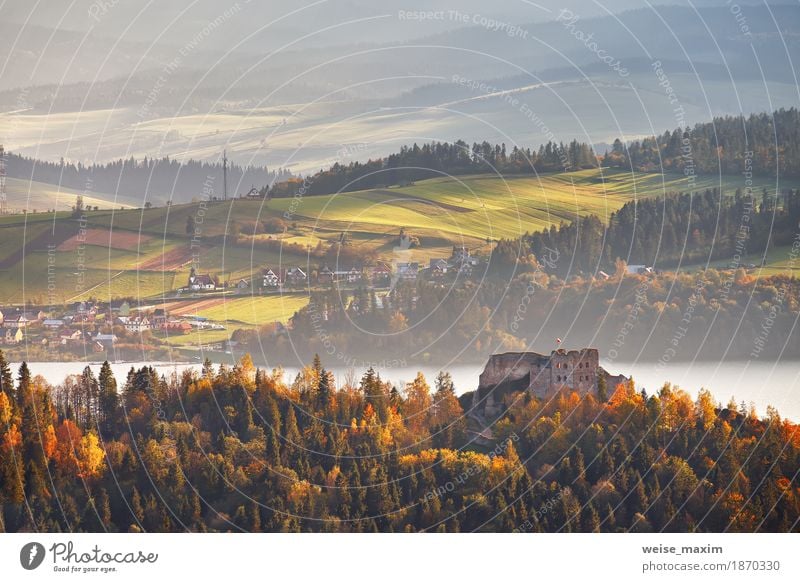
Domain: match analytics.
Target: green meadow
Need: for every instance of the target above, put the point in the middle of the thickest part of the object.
(231, 243)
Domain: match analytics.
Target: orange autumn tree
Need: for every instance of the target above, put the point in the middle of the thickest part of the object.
(90, 456)
(417, 405)
(5, 412)
(68, 436)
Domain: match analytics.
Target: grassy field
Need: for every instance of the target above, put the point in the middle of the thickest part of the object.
(440, 213)
(249, 309)
(256, 309)
(778, 261)
(234, 313)
(199, 337)
(24, 195)
(474, 208)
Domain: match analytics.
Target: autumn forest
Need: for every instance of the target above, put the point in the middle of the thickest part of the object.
(236, 448)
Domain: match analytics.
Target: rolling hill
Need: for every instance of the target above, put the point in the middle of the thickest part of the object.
(31, 196)
(148, 253)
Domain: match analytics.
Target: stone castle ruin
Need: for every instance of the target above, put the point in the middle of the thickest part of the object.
(541, 375)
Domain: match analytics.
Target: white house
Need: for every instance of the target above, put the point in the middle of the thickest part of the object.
(201, 282)
(272, 278)
(136, 324)
(638, 269)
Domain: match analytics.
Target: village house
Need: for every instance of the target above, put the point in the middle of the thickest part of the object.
(70, 337)
(136, 324)
(243, 284)
(638, 269)
(407, 271)
(296, 277)
(158, 318)
(11, 335)
(438, 268)
(53, 323)
(272, 278)
(462, 261)
(340, 275)
(201, 282)
(84, 311)
(18, 321)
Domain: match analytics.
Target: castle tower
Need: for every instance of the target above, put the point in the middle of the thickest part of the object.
(575, 369)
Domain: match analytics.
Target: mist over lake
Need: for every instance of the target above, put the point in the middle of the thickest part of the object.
(761, 383)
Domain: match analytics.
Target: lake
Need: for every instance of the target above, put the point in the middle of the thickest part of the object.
(762, 383)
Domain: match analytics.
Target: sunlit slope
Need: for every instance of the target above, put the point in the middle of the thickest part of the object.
(148, 252)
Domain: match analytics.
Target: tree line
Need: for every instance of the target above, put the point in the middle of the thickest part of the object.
(437, 159)
(764, 144)
(151, 179)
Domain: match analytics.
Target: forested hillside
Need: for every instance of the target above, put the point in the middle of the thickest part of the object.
(154, 180)
(237, 449)
(720, 147)
(667, 231)
(769, 141)
(733, 314)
